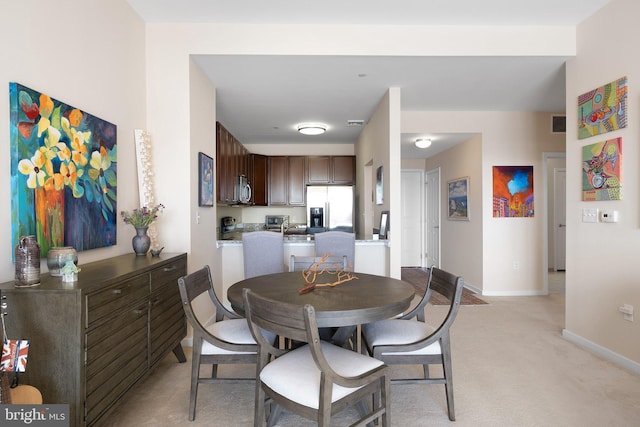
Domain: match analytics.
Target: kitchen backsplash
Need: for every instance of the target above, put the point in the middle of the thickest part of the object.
(256, 214)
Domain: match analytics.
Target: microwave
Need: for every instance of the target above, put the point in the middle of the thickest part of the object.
(242, 191)
(276, 222)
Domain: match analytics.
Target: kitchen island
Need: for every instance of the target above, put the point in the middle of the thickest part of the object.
(371, 257)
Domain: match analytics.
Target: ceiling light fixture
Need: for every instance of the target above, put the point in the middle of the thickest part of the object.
(423, 142)
(312, 128)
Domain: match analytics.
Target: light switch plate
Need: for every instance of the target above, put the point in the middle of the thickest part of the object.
(589, 214)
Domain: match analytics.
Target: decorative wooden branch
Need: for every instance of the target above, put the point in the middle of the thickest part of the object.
(317, 268)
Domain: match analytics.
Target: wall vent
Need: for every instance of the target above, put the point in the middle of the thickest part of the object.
(558, 123)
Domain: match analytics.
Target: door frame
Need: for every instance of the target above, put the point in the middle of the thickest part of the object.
(438, 200)
(545, 235)
(422, 204)
(556, 224)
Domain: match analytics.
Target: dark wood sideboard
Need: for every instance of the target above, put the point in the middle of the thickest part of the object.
(92, 340)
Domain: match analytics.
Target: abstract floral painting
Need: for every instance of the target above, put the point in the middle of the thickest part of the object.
(63, 173)
(513, 191)
(603, 109)
(602, 170)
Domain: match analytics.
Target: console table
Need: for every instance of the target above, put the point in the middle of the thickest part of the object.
(90, 341)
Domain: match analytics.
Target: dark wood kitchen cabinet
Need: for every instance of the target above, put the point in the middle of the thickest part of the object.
(326, 170)
(232, 161)
(259, 179)
(92, 340)
(287, 181)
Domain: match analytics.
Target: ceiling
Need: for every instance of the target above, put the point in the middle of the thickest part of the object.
(260, 98)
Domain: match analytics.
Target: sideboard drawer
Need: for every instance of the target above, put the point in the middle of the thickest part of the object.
(109, 301)
(168, 274)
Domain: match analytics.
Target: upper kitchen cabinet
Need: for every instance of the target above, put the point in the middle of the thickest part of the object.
(259, 179)
(232, 161)
(286, 181)
(322, 170)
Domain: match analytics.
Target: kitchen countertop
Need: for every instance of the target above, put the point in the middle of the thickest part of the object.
(235, 239)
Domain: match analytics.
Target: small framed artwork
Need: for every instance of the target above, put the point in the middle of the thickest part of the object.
(384, 225)
(205, 180)
(380, 186)
(458, 199)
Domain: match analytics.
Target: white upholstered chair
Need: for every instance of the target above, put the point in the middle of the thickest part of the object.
(315, 380)
(337, 243)
(405, 341)
(263, 253)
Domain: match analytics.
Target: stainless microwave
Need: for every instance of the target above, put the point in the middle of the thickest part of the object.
(242, 191)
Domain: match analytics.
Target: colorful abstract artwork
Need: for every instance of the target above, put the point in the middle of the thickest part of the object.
(63, 173)
(603, 109)
(602, 171)
(512, 191)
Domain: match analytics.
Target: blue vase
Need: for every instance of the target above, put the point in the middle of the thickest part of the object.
(141, 241)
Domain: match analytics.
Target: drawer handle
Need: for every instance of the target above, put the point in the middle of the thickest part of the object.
(167, 269)
(117, 291)
(155, 302)
(140, 311)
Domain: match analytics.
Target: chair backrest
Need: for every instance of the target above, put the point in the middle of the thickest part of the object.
(418, 310)
(291, 321)
(449, 286)
(263, 253)
(332, 263)
(192, 286)
(337, 243)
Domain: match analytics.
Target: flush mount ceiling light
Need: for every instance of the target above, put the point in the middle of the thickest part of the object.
(423, 142)
(312, 128)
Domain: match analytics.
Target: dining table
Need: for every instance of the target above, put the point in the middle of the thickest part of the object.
(364, 299)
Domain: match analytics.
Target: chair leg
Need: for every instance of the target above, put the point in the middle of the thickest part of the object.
(195, 374)
(448, 376)
(425, 369)
(214, 370)
(385, 400)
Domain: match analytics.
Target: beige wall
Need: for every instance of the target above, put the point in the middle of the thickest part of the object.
(95, 64)
(602, 259)
(508, 138)
(461, 241)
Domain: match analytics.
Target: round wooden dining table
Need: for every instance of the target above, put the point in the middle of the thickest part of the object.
(365, 299)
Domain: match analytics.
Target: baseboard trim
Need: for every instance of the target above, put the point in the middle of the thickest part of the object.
(513, 293)
(602, 351)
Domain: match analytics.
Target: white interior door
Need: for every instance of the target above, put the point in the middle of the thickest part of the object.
(433, 217)
(411, 187)
(559, 219)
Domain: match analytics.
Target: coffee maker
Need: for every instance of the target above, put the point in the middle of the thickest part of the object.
(228, 224)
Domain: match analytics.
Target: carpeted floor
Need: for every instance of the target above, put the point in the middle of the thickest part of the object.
(418, 278)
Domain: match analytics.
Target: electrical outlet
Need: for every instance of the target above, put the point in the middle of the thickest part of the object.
(516, 265)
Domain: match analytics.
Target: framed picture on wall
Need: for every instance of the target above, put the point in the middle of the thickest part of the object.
(384, 225)
(458, 199)
(205, 180)
(380, 186)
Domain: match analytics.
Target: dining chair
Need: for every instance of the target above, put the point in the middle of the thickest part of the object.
(337, 243)
(407, 341)
(316, 380)
(225, 341)
(263, 253)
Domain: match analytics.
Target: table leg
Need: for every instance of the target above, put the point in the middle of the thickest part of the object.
(179, 352)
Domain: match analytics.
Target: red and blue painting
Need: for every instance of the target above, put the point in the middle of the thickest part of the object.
(513, 191)
(63, 173)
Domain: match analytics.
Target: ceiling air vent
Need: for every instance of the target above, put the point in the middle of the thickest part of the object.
(355, 123)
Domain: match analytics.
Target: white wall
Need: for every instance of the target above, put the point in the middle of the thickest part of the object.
(89, 55)
(602, 259)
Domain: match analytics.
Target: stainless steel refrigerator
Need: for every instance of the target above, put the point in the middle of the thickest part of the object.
(329, 208)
